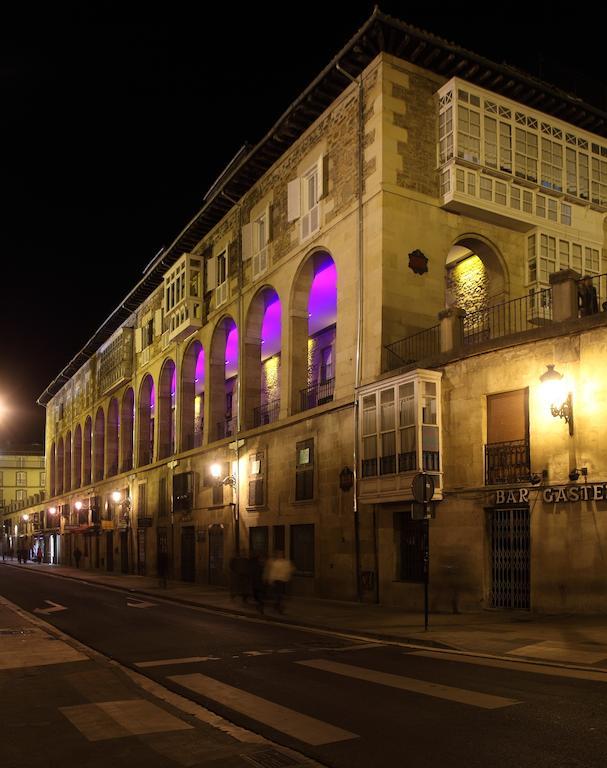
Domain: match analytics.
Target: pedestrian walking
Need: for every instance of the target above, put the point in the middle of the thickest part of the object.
(77, 556)
(39, 555)
(256, 571)
(277, 574)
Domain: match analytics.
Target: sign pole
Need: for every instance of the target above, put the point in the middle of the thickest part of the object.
(426, 573)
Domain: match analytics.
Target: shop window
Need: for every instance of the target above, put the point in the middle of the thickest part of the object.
(411, 547)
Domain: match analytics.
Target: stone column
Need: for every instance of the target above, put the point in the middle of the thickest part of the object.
(564, 285)
(451, 329)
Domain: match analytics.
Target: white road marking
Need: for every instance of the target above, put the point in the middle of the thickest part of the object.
(139, 604)
(460, 695)
(170, 662)
(302, 727)
(515, 666)
(54, 608)
(117, 719)
(556, 650)
(257, 653)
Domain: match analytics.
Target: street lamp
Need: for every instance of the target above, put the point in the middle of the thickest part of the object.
(116, 497)
(78, 506)
(557, 396)
(53, 510)
(25, 517)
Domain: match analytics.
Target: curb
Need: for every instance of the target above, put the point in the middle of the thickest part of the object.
(274, 619)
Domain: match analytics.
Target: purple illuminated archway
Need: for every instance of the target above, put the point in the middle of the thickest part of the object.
(192, 397)
(166, 410)
(145, 448)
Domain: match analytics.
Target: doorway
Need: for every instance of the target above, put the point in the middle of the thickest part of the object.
(188, 554)
(510, 536)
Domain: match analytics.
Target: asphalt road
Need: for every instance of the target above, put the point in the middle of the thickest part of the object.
(342, 701)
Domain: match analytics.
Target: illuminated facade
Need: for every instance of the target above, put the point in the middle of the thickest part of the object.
(22, 484)
(369, 288)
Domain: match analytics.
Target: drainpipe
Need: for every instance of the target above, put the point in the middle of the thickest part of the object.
(238, 379)
(359, 317)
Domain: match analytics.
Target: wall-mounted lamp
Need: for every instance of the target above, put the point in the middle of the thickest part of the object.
(216, 474)
(560, 402)
(52, 510)
(78, 506)
(346, 479)
(25, 518)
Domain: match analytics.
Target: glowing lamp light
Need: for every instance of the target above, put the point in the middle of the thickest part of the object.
(116, 497)
(25, 518)
(559, 400)
(53, 510)
(216, 471)
(78, 505)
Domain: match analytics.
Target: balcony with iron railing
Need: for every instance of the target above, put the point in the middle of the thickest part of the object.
(507, 462)
(226, 428)
(316, 394)
(509, 318)
(266, 413)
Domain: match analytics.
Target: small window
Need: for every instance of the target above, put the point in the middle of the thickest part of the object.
(278, 538)
(256, 480)
(304, 472)
(221, 293)
(302, 549)
(162, 497)
(42, 479)
(20, 495)
(259, 540)
(1, 478)
(21, 478)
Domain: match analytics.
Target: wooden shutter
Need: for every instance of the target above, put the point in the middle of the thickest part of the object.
(247, 241)
(158, 322)
(212, 273)
(138, 339)
(508, 416)
(294, 200)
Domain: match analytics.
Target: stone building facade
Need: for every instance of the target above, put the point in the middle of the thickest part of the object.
(371, 292)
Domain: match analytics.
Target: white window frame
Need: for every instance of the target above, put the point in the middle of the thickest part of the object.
(310, 195)
(260, 240)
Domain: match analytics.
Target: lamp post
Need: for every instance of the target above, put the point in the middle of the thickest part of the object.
(559, 399)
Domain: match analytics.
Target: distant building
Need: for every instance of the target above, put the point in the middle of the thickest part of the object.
(22, 484)
(371, 292)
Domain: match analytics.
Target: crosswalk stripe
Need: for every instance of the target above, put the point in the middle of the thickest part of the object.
(171, 662)
(301, 727)
(516, 666)
(117, 719)
(437, 690)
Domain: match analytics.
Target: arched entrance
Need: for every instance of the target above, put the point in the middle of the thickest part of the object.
(192, 397)
(262, 350)
(313, 332)
(166, 410)
(475, 276)
(145, 447)
(224, 379)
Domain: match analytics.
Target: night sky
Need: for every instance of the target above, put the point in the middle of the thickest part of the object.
(115, 123)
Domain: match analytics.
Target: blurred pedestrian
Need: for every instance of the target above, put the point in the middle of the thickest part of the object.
(587, 299)
(77, 556)
(39, 555)
(256, 572)
(277, 573)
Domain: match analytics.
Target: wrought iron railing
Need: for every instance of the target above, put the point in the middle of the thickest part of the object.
(413, 348)
(508, 462)
(316, 394)
(226, 428)
(514, 316)
(266, 413)
(586, 306)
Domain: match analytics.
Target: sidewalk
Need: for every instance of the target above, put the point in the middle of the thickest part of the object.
(65, 705)
(569, 639)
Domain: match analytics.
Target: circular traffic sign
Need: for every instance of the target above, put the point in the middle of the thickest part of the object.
(422, 487)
